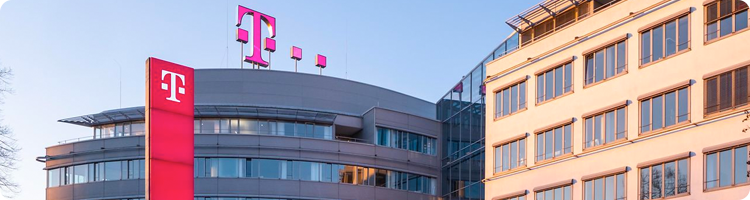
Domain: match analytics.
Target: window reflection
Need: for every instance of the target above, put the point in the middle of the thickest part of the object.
(405, 140)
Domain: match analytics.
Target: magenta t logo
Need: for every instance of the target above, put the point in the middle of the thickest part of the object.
(242, 34)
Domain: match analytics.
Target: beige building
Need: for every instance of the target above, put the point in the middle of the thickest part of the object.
(621, 99)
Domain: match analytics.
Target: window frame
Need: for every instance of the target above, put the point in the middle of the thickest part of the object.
(563, 186)
(498, 110)
(604, 176)
(520, 158)
(554, 67)
(602, 113)
(603, 48)
(719, 18)
(663, 24)
(716, 76)
(664, 108)
(718, 168)
(563, 155)
(663, 180)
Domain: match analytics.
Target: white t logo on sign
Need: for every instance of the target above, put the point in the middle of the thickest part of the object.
(172, 86)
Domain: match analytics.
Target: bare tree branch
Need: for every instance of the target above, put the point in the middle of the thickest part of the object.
(8, 147)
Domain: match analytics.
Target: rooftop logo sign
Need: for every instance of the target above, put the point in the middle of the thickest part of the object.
(269, 43)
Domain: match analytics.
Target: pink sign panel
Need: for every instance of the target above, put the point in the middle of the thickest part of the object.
(296, 53)
(320, 61)
(270, 45)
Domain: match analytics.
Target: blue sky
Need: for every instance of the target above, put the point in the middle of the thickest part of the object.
(72, 57)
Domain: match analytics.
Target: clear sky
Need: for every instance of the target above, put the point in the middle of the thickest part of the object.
(71, 57)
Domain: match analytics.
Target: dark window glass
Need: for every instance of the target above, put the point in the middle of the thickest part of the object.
(712, 179)
(725, 168)
(645, 47)
(548, 138)
(610, 61)
(712, 95)
(568, 139)
(513, 99)
(540, 88)
(682, 176)
(113, 171)
(725, 7)
(599, 66)
(645, 116)
(558, 81)
(657, 112)
(740, 87)
(506, 102)
(712, 31)
(669, 179)
(598, 186)
(609, 188)
(568, 78)
(498, 158)
(621, 57)
(725, 91)
(621, 124)
(558, 142)
(609, 126)
(645, 186)
(682, 110)
(589, 132)
(670, 38)
(522, 95)
(658, 36)
(597, 130)
(725, 26)
(540, 147)
(656, 184)
(506, 151)
(740, 165)
(589, 69)
(741, 20)
(549, 85)
(588, 190)
(683, 38)
(670, 106)
(620, 186)
(513, 154)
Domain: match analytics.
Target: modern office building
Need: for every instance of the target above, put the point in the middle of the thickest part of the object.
(621, 99)
(267, 135)
(461, 112)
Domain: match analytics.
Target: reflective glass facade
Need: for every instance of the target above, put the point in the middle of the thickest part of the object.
(405, 140)
(462, 113)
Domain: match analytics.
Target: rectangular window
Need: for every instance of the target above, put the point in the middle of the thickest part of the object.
(53, 177)
(113, 171)
(726, 168)
(726, 91)
(605, 63)
(725, 17)
(665, 39)
(664, 110)
(610, 125)
(402, 139)
(554, 83)
(559, 193)
(664, 180)
(610, 187)
(556, 142)
(512, 155)
(510, 100)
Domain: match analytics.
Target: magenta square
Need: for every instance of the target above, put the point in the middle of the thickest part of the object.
(270, 45)
(296, 53)
(320, 61)
(242, 35)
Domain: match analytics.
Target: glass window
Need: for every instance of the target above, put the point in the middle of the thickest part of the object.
(589, 69)
(510, 100)
(712, 179)
(248, 126)
(199, 165)
(513, 101)
(645, 116)
(669, 179)
(138, 128)
(670, 38)
(559, 193)
(605, 125)
(112, 171)
(53, 177)
(645, 183)
(80, 174)
(608, 187)
(670, 106)
(599, 66)
(645, 47)
(559, 81)
(656, 115)
(230, 167)
(270, 169)
(554, 83)
(725, 168)
(658, 44)
(725, 17)
(610, 61)
(740, 165)
(554, 142)
(726, 91)
(683, 38)
(656, 184)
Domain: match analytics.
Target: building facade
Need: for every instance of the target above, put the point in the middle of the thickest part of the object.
(267, 135)
(621, 99)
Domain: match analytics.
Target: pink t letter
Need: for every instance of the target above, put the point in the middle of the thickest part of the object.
(242, 35)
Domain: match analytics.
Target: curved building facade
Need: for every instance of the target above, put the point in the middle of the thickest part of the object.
(262, 134)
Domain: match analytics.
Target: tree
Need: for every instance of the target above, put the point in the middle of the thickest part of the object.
(8, 147)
